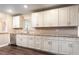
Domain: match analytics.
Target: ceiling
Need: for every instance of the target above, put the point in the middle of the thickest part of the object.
(19, 8)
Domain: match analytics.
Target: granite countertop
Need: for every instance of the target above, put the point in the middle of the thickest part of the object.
(72, 36)
(47, 35)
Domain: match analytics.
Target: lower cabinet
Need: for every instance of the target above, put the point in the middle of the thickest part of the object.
(47, 44)
(76, 47)
(66, 47)
(4, 39)
(21, 41)
(31, 42)
(38, 42)
(59, 45)
(55, 45)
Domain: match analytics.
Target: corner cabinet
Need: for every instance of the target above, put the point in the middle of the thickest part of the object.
(17, 21)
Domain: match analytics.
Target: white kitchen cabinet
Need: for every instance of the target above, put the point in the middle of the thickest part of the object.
(50, 44)
(45, 18)
(55, 45)
(64, 16)
(22, 40)
(47, 44)
(31, 42)
(58, 45)
(66, 45)
(76, 47)
(18, 41)
(51, 18)
(34, 19)
(17, 21)
(37, 19)
(73, 15)
(4, 39)
(38, 42)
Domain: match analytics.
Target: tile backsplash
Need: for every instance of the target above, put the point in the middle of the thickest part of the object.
(60, 31)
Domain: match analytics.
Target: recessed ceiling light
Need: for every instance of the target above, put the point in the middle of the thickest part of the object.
(10, 11)
(25, 6)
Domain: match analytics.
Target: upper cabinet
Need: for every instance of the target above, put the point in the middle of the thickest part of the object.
(45, 19)
(73, 15)
(38, 19)
(68, 16)
(51, 18)
(17, 21)
(65, 16)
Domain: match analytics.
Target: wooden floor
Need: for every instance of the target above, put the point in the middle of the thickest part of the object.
(14, 50)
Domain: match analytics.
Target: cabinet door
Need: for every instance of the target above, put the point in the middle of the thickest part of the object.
(47, 44)
(17, 21)
(38, 42)
(4, 39)
(34, 19)
(37, 19)
(76, 47)
(66, 47)
(55, 44)
(51, 18)
(73, 15)
(40, 19)
(64, 16)
(21, 40)
(31, 42)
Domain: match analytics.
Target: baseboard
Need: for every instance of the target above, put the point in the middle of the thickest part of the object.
(12, 45)
(48, 53)
(4, 45)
